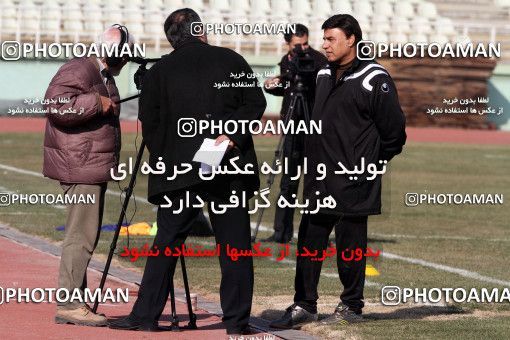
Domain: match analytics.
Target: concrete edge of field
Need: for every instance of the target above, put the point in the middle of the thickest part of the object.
(131, 277)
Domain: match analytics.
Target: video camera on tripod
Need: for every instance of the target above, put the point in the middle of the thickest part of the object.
(301, 67)
(142, 69)
(192, 324)
(301, 74)
(139, 75)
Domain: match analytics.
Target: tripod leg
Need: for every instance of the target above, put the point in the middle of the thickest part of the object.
(277, 155)
(192, 316)
(113, 245)
(175, 319)
(306, 109)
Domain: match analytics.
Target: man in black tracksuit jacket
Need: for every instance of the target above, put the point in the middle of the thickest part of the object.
(357, 102)
(182, 86)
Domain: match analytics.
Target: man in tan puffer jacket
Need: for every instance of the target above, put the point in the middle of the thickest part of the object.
(81, 144)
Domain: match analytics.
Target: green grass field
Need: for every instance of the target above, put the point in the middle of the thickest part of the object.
(445, 238)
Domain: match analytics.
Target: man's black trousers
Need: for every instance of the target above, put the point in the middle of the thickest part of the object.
(236, 288)
(350, 233)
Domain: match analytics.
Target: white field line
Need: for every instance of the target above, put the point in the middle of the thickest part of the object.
(459, 271)
(439, 237)
(37, 174)
(462, 272)
(437, 266)
(497, 156)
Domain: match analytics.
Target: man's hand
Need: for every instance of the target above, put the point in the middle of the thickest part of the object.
(272, 83)
(222, 138)
(107, 105)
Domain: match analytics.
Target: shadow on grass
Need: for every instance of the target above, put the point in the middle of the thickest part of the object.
(166, 319)
(411, 313)
(272, 314)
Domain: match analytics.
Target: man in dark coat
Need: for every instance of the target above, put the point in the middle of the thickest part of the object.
(363, 124)
(293, 144)
(183, 86)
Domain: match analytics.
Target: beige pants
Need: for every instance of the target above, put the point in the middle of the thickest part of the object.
(82, 232)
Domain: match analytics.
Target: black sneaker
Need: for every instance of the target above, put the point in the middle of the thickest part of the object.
(294, 318)
(343, 315)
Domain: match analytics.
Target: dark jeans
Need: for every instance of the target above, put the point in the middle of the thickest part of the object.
(236, 288)
(314, 231)
(284, 217)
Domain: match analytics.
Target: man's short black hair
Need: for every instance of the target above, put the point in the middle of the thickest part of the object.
(301, 31)
(178, 25)
(347, 23)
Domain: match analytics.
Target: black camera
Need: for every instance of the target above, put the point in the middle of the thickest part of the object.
(301, 66)
(140, 73)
